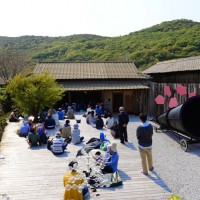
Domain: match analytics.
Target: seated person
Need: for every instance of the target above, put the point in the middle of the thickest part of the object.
(71, 193)
(33, 137)
(98, 157)
(109, 121)
(43, 116)
(99, 110)
(55, 117)
(66, 131)
(114, 130)
(105, 142)
(49, 123)
(90, 119)
(75, 135)
(31, 123)
(24, 129)
(12, 117)
(61, 114)
(99, 122)
(112, 163)
(58, 144)
(42, 132)
(89, 109)
(50, 112)
(70, 113)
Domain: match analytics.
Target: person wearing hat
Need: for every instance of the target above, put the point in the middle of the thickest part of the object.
(144, 135)
(75, 135)
(112, 163)
(123, 120)
(70, 113)
(58, 144)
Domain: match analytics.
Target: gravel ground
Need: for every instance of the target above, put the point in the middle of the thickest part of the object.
(178, 169)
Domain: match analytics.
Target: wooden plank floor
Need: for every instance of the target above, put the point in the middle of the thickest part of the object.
(38, 174)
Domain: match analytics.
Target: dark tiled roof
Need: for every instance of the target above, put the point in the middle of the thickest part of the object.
(90, 70)
(102, 85)
(179, 65)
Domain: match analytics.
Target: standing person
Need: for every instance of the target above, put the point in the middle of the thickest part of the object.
(144, 136)
(123, 120)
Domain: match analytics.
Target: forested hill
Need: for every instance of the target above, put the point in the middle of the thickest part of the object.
(168, 40)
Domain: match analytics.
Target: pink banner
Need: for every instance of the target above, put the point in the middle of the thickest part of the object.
(167, 91)
(192, 94)
(173, 102)
(160, 100)
(181, 89)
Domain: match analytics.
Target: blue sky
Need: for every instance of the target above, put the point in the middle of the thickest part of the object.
(99, 17)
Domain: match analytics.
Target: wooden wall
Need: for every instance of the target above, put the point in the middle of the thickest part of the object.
(134, 101)
(176, 77)
(156, 89)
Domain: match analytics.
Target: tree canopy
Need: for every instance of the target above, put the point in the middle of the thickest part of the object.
(34, 92)
(165, 41)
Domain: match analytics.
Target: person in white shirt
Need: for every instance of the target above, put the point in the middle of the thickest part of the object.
(55, 117)
(59, 145)
(91, 118)
(109, 121)
(75, 134)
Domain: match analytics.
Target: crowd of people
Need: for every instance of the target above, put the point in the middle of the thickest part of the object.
(36, 134)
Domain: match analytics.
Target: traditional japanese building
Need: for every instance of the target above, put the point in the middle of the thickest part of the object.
(86, 82)
(184, 72)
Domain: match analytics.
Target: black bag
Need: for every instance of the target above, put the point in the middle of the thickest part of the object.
(115, 180)
(49, 143)
(89, 146)
(115, 130)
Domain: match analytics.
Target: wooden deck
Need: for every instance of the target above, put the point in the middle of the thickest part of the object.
(37, 174)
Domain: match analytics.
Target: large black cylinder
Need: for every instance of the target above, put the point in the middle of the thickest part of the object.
(184, 118)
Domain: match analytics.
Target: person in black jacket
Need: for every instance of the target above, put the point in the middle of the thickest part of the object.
(49, 123)
(99, 122)
(123, 120)
(144, 136)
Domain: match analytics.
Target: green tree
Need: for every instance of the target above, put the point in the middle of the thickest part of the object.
(33, 92)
